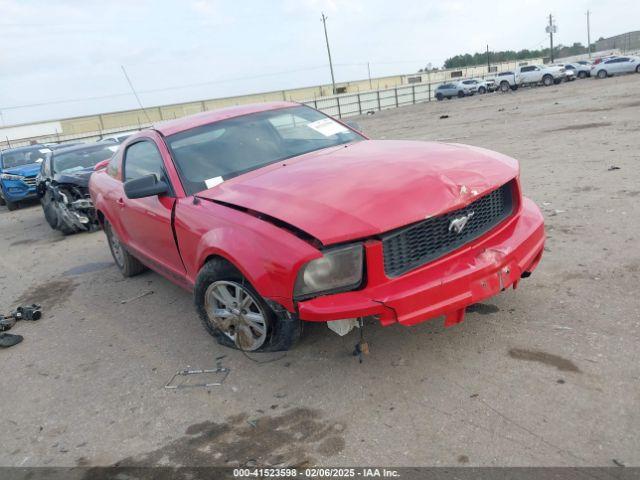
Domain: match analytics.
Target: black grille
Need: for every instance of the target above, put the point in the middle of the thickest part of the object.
(423, 242)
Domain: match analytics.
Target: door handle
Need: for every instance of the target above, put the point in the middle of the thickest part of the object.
(120, 202)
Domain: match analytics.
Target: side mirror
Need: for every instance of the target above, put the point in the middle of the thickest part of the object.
(147, 186)
(101, 165)
(355, 125)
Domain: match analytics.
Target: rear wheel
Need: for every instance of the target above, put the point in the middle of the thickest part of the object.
(235, 314)
(482, 90)
(439, 97)
(602, 74)
(127, 263)
(504, 86)
(582, 74)
(460, 94)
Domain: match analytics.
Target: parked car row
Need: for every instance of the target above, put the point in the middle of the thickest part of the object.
(530, 75)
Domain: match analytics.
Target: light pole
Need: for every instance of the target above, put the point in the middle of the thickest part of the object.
(326, 37)
(589, 32)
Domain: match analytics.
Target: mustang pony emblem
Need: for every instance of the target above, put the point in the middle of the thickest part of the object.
(457, 224)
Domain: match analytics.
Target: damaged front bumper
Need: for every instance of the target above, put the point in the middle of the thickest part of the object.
(74, 210)
(445, 287)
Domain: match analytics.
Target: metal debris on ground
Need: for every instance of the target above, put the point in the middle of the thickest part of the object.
(145, 294)
(220, 372)
(443, 116)
(613, 167)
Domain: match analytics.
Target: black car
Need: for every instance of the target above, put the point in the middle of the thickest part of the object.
(63, 182)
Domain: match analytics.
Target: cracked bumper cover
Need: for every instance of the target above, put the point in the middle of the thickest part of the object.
(479, 270)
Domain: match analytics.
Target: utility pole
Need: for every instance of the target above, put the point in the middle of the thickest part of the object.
(488, 63)
(589, 33)
(551, 29)
(326, 37)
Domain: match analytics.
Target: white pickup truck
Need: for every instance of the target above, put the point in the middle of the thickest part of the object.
(529, 75)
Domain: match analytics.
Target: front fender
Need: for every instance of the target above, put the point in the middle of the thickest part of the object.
(267, 255)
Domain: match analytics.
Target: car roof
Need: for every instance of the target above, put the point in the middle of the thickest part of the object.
(37, 146)
(82, 146)
(185, 123)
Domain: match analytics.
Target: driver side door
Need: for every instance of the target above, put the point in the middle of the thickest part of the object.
(147, 222)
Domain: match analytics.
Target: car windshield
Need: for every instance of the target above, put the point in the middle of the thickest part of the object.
(208, 155)
(69, 162)
(23, 157)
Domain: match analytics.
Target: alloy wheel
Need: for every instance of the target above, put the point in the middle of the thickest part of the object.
(233, 310)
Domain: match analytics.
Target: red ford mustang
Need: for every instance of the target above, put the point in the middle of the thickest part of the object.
(274, 214)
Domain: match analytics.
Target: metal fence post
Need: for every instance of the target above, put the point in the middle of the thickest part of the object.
(379, 104)
(429, 84)
(413, 93)
(396, 94)
(315, 104)
(359, 105)
(339, 111)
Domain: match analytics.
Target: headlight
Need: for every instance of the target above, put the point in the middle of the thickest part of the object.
(339, 269)
(8, 176)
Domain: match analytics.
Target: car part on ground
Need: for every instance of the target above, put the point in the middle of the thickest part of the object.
(329, 250)
(9, 340)
(220, 373)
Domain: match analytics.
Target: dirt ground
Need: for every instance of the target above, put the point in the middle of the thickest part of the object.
(545, 375)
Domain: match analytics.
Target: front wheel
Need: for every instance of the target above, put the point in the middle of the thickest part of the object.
(439, 97)
(235, 314)
(602, 74)
(504, 87)
(638, 69)
(582, 75)
(127, 263)
(460, 94)
(11, 205)
(482, 90)
(547, 80)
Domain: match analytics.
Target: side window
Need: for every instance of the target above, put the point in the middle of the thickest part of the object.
(143, 158)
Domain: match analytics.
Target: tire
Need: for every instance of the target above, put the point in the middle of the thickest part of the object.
(439, 97)
(602, 74)
(482, 90)
(2, 202)
(638, 69)
(271, 328)
(50, 214)
(582, 75)
(448, 97)
(11, 205)
(547, 80)
(128, 265)
(460, 94)
(558, 81)
(504, 86)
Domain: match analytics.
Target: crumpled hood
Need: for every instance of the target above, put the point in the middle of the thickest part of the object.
(367, 188)
(78, 177)
(29, 170)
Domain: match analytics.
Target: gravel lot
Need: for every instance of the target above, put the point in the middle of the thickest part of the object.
(544, 375)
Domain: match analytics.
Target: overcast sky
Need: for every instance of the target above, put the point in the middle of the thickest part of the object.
(57, 50)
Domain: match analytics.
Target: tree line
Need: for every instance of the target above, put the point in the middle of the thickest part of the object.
(480, 58)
